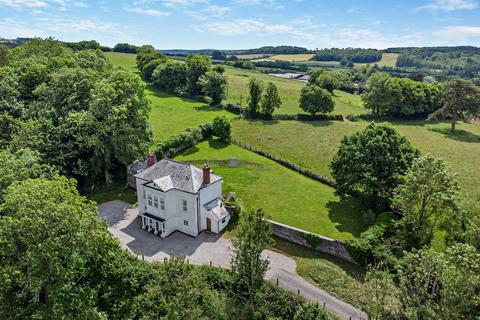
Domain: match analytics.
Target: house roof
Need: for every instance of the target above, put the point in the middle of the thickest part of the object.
(217, 208)
(169, 174)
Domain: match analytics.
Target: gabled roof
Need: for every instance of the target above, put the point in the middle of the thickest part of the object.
(169, 174)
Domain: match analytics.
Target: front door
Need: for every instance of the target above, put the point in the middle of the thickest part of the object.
(209, 225)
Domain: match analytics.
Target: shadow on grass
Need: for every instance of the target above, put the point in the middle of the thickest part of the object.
(348, 214)
(217, 144)
(190, 151)
(162, 94)
(458, 135)
(320, 123)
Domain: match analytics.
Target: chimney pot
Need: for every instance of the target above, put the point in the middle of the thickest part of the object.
(206, 174)
(151, 159)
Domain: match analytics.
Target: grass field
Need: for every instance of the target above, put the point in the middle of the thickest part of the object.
(289, 92)
(388, 60)
(293, 57)
(169, 114)
(286, 196)
(313, 144)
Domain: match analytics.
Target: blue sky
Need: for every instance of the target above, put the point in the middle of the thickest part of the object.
(236, 24)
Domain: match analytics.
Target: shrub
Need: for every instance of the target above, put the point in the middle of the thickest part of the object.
(370, 247)
(221, 128)
(311, 311)
(183, 140)
(312, 239)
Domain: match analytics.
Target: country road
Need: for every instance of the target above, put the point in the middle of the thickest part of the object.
(205, 249)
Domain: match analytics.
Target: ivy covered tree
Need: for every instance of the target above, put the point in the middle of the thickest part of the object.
(271, 99)
(314, 99)
(426, 200)
(371, 163)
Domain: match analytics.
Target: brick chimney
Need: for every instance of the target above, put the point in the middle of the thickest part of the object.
(206, 174)
(151, 159)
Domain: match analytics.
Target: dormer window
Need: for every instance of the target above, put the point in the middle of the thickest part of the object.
(184, 203)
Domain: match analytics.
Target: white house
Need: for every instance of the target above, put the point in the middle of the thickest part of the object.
(177, 196)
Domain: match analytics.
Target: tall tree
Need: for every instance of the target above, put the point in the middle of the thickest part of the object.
(4, 53)
(427, 199)
(327, 81)
(54, 252)
(437, 285)
(248, 266)
(314, 99)
(214, 85)
(371, 163)
(271, 99)
(461, 101)
(255, 88)
(380, 93)
(21, 165)
(197, 66)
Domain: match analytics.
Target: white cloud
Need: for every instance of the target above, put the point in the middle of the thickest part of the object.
(456, 32)
(147, 11)
(23, 3)
(61, 4)
(449, 5)
(182, 3)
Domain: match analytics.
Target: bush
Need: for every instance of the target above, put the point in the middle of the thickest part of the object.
(183, 140)
(233, 108)
(221, 128)
(370, 247)
(311, 311)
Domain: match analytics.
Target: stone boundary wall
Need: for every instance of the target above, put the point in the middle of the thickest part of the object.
(332, 247)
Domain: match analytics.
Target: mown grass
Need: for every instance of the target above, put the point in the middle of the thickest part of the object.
(285, 195)
(125, 60)
(313, 144)
(289, 92)
(169, 114)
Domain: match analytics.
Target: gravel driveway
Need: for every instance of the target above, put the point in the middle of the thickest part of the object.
(124, 223)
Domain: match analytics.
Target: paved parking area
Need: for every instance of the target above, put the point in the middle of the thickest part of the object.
(124, 223)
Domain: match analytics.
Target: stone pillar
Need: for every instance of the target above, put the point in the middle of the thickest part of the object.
(149, 225)
(156, 228)
(143, 223)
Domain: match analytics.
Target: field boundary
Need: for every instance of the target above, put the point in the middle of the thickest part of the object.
(286, 163)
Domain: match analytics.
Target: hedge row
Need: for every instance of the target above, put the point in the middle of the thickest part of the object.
(286, 163)
(184, 140)
(308, 117)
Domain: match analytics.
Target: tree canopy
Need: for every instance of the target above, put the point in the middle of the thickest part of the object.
(314, 99)
(85, 117)
(371, 163)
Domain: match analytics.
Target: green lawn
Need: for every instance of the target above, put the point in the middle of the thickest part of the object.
(169, 114)
(289, 90)
(286, 196)
(313, 144)
(125, 60)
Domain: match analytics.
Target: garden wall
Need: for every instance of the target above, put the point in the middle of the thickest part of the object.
(317, 242)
